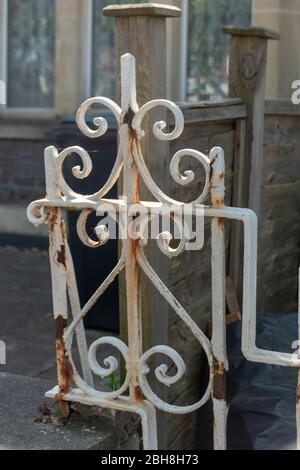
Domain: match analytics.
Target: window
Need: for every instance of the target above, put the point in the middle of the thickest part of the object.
(209, 47)
(28, 68)
(103, 50)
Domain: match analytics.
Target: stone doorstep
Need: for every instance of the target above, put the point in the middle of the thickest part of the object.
(24, 410)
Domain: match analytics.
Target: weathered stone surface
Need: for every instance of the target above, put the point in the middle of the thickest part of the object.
(20, 400)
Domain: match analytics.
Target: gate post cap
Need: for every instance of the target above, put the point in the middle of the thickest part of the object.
(142, 9)
(254, 31)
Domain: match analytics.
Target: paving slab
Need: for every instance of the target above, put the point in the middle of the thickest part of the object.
(26, 319)
(22, 429)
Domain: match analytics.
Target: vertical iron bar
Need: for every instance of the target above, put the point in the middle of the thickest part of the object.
(57, 256)
(128, 139)
(61, 273)
(76, 309)
(220, 362)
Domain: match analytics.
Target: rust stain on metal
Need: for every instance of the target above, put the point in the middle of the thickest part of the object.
(52, 219)
(211, 170)
(221, 176)
(134, 141)
(135, 252)
(128, 118)
(65, 368)
(61, 256)
(138, 394)
(63, 231)
(220, 223)
(218, 202)
(133, 136)
(136, 177)
(65, 409)
(135, 247)
(136, 186)
(219, 380)
(298, 392)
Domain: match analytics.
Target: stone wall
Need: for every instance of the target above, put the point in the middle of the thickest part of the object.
(21, 171)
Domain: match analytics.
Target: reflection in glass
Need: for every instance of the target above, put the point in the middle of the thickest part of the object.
(209, 46)
(104, 50)
(30, 53)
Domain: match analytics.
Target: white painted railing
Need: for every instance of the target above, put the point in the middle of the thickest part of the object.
(135, 394)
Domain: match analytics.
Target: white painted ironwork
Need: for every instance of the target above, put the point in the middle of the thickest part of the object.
(141, 398)
(136, 394)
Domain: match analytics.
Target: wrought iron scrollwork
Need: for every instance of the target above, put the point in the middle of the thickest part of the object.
(60, 195)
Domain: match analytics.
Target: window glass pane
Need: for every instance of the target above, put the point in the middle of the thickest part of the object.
(209, 46)
(30, 53)
(104, 55)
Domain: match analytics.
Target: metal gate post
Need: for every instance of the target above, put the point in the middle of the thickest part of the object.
(219, 348)
(58, 254)
(131, 244)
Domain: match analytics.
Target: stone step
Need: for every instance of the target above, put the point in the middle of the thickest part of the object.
(29, 421)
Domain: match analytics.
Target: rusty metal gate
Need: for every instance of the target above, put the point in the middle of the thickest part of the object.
(136, 394)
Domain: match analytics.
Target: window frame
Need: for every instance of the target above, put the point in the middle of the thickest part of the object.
(5, 110)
